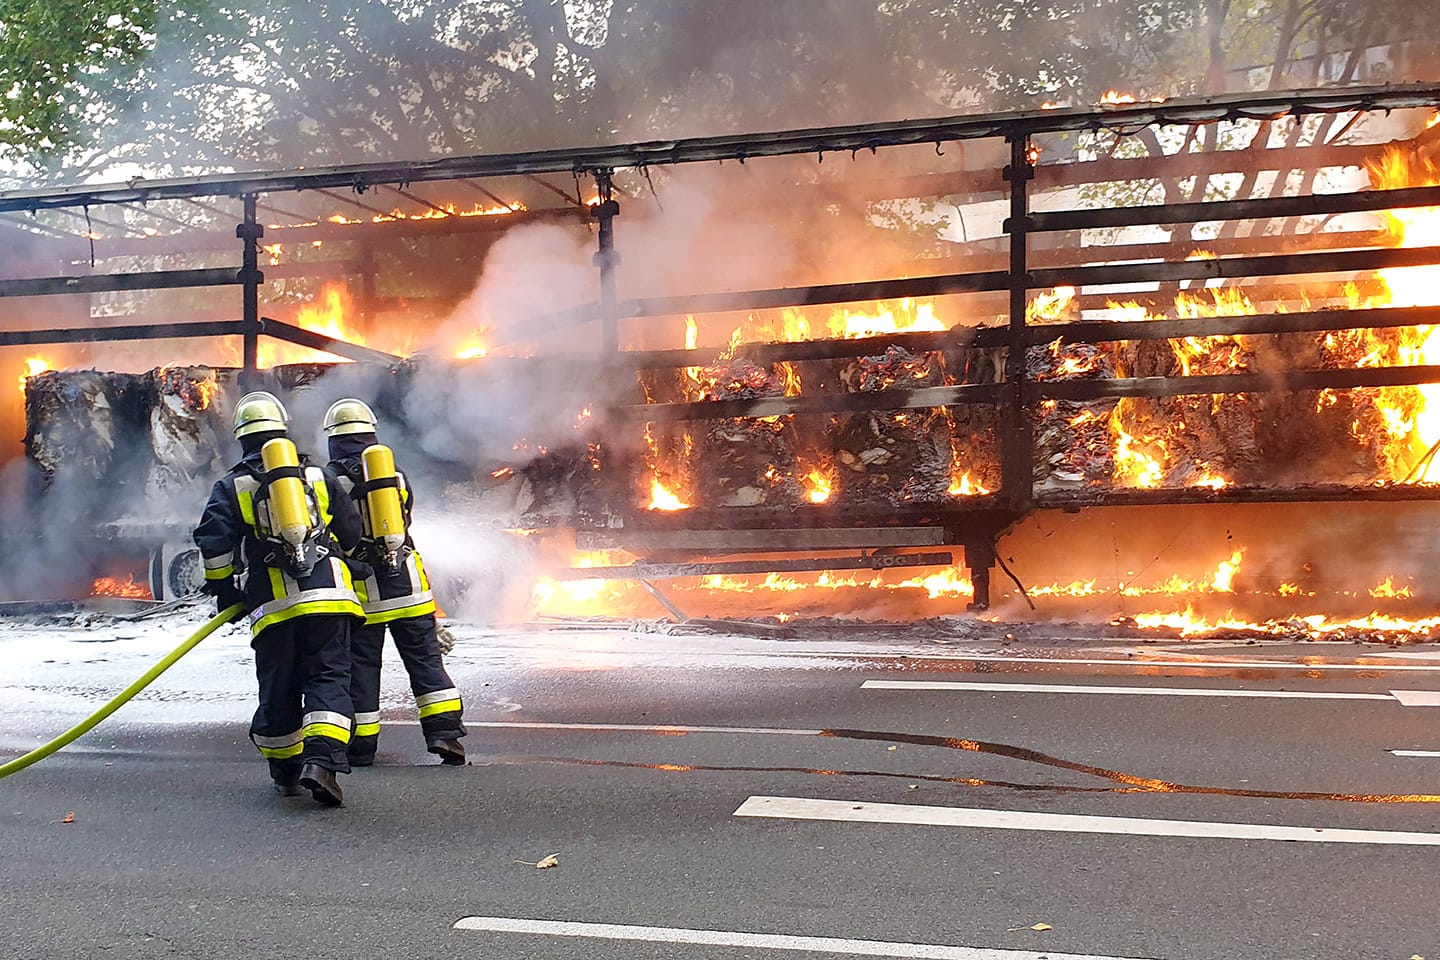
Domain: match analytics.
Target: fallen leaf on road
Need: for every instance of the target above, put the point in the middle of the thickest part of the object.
(68, 818)
(544, 863)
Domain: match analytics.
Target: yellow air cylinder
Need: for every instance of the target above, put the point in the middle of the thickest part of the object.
(289, 512)
(387, 519)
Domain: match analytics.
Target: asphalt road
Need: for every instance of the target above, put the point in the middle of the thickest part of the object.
(178, 848)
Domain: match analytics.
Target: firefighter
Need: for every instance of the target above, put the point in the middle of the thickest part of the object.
(271, 537)
(396, 595)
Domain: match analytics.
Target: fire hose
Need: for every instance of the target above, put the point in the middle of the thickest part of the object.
(85, 726)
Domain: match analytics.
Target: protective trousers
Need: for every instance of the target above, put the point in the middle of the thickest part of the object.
(435, 695)
(305, 716)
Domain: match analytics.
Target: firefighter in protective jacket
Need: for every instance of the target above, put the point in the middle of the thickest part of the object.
(271, 537)
(395, 596)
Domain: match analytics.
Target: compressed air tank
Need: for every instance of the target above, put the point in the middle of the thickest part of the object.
(386, 518)
(289, 511)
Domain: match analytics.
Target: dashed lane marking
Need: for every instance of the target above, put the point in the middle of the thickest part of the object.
(1406, 698)
(756, 941)
(797, 808)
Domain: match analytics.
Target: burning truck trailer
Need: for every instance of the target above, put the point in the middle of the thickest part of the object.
(883, 446)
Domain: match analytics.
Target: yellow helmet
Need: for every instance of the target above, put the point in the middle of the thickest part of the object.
(348, 416)
(259, 412)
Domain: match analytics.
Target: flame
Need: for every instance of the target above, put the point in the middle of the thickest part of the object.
(964, 486)
(447, 210)
(1135, 466)
(1224, 579)
(34, 366)
(205, 392)
(902, 316)
(692, 333)
(330, 314)
(1434, 119)
(1049, 306)
(471, 349)
(112, 587)
(817, 484)
(663, 499)
(1115, 98)
(1386, 589)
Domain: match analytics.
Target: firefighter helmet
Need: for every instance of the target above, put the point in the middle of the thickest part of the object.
(347, 417)
(259, 412)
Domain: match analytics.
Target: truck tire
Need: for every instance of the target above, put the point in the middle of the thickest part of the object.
(175, 571)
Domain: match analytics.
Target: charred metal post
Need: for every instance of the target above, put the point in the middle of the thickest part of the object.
(250, 278)
(980, 558)
(607, 260)
(1017, 442)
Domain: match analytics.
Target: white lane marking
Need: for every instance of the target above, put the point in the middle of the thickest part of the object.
(1417, 698)
(1206, 664)
(758, 941)
(796, 808)
(641, 727)
(1415, 753)
(984, 686)
(919, 654)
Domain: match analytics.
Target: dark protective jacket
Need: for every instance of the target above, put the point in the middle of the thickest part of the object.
(386, 595)
(233, 540)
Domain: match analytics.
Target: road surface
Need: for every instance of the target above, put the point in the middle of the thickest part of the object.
(712, 797)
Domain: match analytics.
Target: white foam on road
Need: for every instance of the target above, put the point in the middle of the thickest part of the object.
(756, 941)
(797, 808)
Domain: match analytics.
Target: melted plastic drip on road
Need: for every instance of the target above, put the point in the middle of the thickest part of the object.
(1137, 784)
(813, 771)
(1130, 783)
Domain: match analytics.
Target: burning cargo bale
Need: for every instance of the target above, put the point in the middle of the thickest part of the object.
(186, 429)
(87, 430)
(1263, 439)
(889, 457)
(745, 462)
(1074, 444)
(560, 486)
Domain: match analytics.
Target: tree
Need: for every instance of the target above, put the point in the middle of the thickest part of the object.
(61, 63)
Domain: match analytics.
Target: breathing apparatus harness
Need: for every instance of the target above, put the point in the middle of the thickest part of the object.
(377, 488)
(291, 523)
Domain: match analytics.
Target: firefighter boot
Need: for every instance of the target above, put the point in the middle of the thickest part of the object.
(321, 783)
(451, 752)
(288, 788)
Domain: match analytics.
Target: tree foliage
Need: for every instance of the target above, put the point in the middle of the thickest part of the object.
(286, 82)
(60, 60)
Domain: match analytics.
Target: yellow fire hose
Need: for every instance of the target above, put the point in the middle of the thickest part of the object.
(90, 722)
